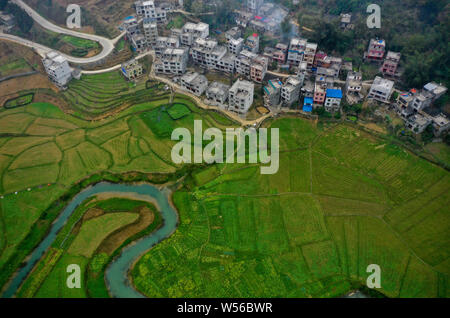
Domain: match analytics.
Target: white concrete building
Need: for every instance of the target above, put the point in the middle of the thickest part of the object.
(333, 100)
(57, 68)
(148, 9)
(310, 54)
(254, 5)
(172, 61)
(217, 93)
(192, 31)
(139, 43)
(132, 69)
(296, 51)
(162, 43)
(207, 53)
(290, 92)
(150, 31)
(235, 45)
(381, 90)
(226, 63)
(418, 123)
(240, 97)
(252, 43)
(272, 93)
(441, 124)
(194, 83)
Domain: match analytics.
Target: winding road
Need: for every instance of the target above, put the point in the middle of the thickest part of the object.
(107, 44)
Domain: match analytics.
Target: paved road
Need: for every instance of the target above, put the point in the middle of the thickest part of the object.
(107, 44)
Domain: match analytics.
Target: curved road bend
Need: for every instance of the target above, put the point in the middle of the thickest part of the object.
(107, 44)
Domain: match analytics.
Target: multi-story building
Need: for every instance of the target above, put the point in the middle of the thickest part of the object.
(218, 93)
(148, 9)
(194, 83)
(404, 103)
(319, 93)
(207, 53)
(226, 63)
(193, 31)
(139, 42)
(290, 92)
(57, 68)
(240, 97)
(272, 93)
(422, 100)
(390, 64)
(235, 45)
(435, 89)
(258, 68)
(132, 69)
(252, 43)
(234, 33)
(376, 50)
(441, 124)
(254, 5)
(172, 61)
(131, 27)
(333, 100)
(418, 123)
(296, 51)
(280, 53)
(150, 31)
(162, 43)
(243, 62)
(381, 90)
(310, 53)
(302, 71)
(353, 83)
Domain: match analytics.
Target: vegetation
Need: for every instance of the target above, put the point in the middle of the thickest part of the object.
(92, 227)
(417, 29)
(23, 20)
(19, 101)
(344, 201)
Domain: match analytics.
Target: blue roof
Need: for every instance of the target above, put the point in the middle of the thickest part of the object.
(307, 109)
(308, 100)
(334, 93)
(129, 17)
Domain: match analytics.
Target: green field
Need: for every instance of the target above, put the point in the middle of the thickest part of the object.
(79, 42)
(14, 66)
(341, 200)
(95, 95)
(81, 242)
(44, 151)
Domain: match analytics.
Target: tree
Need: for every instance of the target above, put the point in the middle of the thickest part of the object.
(3, 4)
(24, 21)
(197, 7)
(286, 26)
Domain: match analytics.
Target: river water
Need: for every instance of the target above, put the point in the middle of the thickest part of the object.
(116, 275)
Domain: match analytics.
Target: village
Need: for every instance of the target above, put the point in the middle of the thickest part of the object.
(306, 79)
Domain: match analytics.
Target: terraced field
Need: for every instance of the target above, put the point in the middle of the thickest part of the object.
(341, 200)
(95, 95)
(43, 152)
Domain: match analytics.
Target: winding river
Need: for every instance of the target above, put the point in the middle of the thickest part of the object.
(116, 275)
